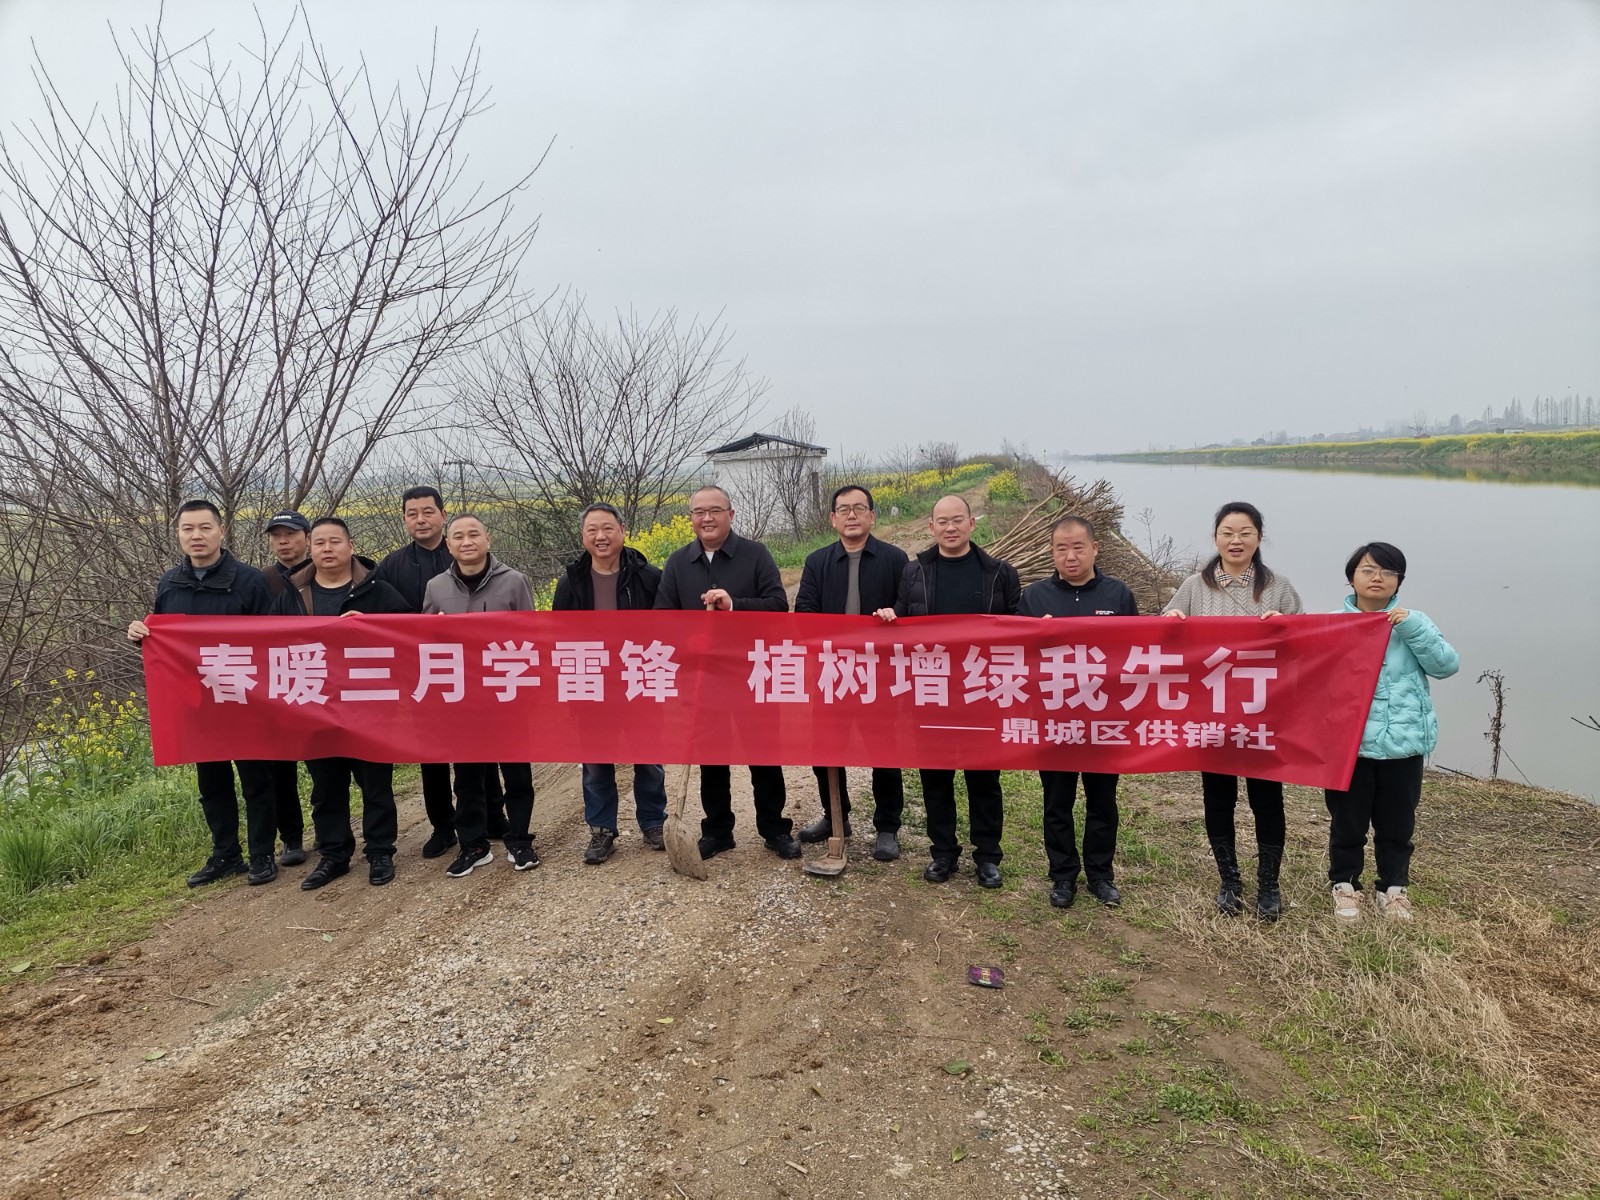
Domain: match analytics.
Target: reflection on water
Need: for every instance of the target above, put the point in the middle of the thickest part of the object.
(1511, 576)
(1527, 473)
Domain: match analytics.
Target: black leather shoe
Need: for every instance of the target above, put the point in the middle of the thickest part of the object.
(1063, 894)
(324, 873)
(988, 875)
(887, 846)
(380, 869)
(262, 869)
(783, 846)
(441, 843)
(1106, 892)
(821, 830)
(710, 847)
(938, 871)
(293, 855)
(216, 869)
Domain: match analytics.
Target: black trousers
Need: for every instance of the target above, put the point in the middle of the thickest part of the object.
(888, 796)
(220, 805)
(1221, 795)
(716, 801)
(286, 791)
(473, 781)
(439, 802)
(1383, 795)
(330, 806)
(985, 814)
(1099, 824)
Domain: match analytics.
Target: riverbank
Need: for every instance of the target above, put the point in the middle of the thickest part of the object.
(1548, 457)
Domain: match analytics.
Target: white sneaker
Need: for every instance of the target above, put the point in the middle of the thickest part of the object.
(1395, 904)
(1346, 902)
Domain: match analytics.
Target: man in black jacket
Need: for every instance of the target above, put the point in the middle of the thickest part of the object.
(1079, 589)
(409, 570)
(210, 582)
(952, 577)
(335, 584)
(610, 576)
(856, 574)
(289, 539)
(722, 571)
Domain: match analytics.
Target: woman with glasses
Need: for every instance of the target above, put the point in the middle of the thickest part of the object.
(1236, 583)
(1401, 731)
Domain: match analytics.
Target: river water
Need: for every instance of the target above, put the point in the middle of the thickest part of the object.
(1510, 572)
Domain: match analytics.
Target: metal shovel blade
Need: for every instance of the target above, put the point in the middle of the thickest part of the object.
(683, 848)
(836, 859)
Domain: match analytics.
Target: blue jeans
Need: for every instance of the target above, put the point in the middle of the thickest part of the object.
(600, 795)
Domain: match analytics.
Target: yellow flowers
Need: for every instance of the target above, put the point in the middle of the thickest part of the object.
(662, 538)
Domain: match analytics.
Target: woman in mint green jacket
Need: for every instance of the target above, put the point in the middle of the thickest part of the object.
(1401, 731)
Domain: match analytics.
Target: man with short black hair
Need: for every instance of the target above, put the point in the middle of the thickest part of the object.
(724, 572)
(856, 574)
(610, 576)
(409, 570)
(952, 577)
(211, 582)
(339, 583)
(1079, 589)
(289, 539)
(478, 582)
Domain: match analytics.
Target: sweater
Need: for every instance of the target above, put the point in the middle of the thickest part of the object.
(1401, 722)
(1195, 599)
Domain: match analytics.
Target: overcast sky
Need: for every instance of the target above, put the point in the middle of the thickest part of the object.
(1083, 226)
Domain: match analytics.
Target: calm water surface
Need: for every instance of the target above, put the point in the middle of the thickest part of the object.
(1509, 572)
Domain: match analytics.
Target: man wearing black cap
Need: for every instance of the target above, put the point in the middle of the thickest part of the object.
(289, 539)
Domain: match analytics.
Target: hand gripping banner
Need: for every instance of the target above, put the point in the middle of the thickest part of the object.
(1284, 698)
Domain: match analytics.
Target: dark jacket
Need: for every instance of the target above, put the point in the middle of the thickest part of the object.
(1102, 596)
(369, 595)
(637, 583)
(408, 569)
(230, 589)
(825, 579)
(278, 575)
(743, 568)
(1002, 589)
(504, 590)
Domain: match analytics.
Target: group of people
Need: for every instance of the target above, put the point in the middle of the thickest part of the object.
(448, 567)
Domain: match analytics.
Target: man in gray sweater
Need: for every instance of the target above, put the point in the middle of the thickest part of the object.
(477, 582)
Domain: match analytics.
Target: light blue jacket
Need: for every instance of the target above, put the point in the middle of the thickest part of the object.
(1401, 722)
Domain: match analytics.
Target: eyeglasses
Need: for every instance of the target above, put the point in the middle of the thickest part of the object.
(853, 510)
(697, 513)
(949, 522)
(1377, 573)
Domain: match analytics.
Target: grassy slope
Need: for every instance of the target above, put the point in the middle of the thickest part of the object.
(1578, 450)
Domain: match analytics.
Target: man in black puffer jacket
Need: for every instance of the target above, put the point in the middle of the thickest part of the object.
(606, 576)
(210, 582)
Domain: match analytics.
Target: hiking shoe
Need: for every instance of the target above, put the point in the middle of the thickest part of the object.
(939, 870)
(293, 855)
(710, 846)
(467, 860)
(821, 830)
(440, 844)
(325, 872)
(1394, 904)
(988, 874)
(887, 846)
(1106, 892)
(1347, 902)
(380, 869)
(601, 843)
(653, 837)
(524, 858)
(263, 869)
(215, 869)
(1064, 893)
(783, 845)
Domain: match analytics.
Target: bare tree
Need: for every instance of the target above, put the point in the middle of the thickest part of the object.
(785, 480)
(902, 462)
(943, 457)
(604, 412)
(236, 283)
(1420, 423)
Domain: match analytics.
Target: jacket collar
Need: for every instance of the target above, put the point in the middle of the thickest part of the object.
(492, 566)
(219, 575)
(630, 561)
(1069, 586)
(873, 545)
(305, 576)
(931, 555)
(729, 547)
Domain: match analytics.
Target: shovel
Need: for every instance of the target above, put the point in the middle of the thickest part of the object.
(683, 848)
(835, 860)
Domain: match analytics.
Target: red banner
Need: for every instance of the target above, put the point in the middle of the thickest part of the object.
(1281, 699)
